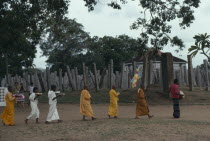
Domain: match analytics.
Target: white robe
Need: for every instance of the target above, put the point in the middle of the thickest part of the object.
(53, 113)
(34, 108)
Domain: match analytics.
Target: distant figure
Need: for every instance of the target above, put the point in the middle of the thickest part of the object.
(53, 112)
(174, 93)
(85, 106)
(17, 88)
(30, 88)
(34, 108)
(142, 106)
(21, 87)
(9, 112)
(113, 107)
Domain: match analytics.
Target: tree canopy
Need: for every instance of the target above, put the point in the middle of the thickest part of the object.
(22, 23)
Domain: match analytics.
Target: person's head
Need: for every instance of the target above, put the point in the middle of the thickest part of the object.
(176, 81)
(114, 87)
(31, 83)
(53, 87)
(86, 87)
(16, 83)
(35, 90)
(9, 88)
(21, 84)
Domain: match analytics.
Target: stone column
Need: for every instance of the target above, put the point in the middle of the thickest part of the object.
(145, 73)
(96, 77)
(190, 72)
(206, 74)
(167, 70)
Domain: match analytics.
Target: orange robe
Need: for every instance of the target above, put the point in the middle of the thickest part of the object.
(9, 111)
(141, 106)
(113, 106)
(85, 106)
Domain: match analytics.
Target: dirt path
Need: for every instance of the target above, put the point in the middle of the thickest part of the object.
(194, 125)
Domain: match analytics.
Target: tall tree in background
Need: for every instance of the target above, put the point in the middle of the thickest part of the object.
(156, 16)
(22, 23)
(64, 40)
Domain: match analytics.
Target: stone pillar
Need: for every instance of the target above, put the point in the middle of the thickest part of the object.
(134, 67)
(190, 72)
(145, 73)
(167, 70)
(111, 73)
(60, 79)
(48, 78)
(206, 74)
(96, 77)
(84, 74)
(181, 75)
(185, 75)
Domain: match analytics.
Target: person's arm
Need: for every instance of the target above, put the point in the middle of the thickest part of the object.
(87, 95)
(36, 97)
(11, 98)
(116, 94)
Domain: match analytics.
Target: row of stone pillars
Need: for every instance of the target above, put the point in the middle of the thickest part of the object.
(190, 74)
(167, 72)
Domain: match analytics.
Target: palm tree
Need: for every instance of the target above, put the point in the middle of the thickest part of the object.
(202, 43)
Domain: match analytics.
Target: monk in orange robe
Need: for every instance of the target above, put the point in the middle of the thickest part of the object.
(141, 106)
(85, 106)
(9, 112)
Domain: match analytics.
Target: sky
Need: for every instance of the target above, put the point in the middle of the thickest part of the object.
(107, 21)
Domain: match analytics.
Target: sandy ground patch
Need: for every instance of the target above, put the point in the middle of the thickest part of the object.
(194, 125)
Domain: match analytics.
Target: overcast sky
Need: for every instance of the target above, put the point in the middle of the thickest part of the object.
(106, 21)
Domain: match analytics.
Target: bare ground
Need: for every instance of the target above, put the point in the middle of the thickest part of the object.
(194, 125)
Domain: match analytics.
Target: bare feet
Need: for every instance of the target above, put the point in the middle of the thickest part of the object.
(37, 121)
(150, 116)
(59, 121)
(47, 122)
(26, 121)
(3, 123)
(93, 118)
(109, 116)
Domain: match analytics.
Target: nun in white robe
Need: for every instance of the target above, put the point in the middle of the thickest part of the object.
(53, 113)
(34, 108)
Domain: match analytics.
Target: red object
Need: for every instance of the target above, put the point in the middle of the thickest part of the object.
(174, 90)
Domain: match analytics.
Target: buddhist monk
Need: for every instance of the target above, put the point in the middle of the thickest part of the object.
(9, 112)
(85, 106)
(141, 106)
(34, 106)
(53, 112)
(113, 107)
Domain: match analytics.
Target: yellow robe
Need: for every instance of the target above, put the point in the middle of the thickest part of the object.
(9, 112)
(113, 107)
(85, 106)
(141, 106)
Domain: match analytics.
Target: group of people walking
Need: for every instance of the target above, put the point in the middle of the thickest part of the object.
(85, 105)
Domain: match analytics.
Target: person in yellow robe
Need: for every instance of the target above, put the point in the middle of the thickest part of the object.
(9, 112)
(142, 106)
(113, 106)
(85, 106)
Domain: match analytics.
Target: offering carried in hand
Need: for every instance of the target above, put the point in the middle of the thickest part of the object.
(181, 95)
(61, 94)
(57, 92)
(38, 94)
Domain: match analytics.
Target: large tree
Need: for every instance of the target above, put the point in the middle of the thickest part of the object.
(22, 23)
(155, 18)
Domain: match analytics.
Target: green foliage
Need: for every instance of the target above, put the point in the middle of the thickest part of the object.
(155, 18)
(22, 23)
(202, 43)
(70, 45)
